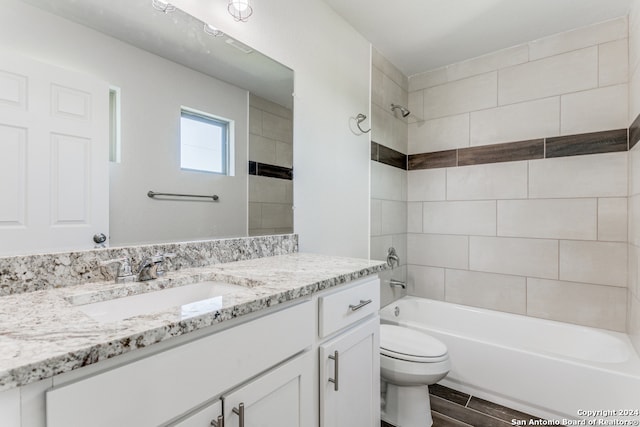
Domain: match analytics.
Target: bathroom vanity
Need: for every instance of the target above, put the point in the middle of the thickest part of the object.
(295, 345)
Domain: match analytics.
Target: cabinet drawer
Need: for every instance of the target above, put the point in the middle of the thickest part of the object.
(344, 307)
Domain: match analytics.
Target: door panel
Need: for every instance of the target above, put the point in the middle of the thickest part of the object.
(54, 157)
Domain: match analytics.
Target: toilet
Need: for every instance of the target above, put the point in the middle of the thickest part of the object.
(410, 361)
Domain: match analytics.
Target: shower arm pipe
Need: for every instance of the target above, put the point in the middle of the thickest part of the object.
(359, 119)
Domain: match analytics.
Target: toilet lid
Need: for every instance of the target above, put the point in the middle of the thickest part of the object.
(409, 344)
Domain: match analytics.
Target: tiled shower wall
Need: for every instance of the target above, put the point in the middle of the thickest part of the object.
(633, 321)
(388, 183)
(545, 237)
(270, 163)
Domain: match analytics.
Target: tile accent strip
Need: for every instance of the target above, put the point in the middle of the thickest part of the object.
(513, 151)
(388, 156)
(562, 146)
(634, 132)
(590, 143)
(271, 171)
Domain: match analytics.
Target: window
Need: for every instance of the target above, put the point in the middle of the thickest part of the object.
(204, 142)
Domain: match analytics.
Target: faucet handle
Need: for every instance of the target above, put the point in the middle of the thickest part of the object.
(124, 269)
(159, 259)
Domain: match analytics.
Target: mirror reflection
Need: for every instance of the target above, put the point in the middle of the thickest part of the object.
(120, 76)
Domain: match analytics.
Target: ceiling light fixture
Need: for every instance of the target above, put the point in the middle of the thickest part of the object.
(212, 31)
(241, 10)
(163, 6)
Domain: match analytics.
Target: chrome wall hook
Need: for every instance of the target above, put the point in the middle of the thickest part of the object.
(359, 119)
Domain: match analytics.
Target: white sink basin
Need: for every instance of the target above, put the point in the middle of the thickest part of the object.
(192, 299)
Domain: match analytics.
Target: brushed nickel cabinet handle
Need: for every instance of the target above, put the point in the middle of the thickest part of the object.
(336, 369)
(239, 411)
(219, 423)
(359, 306)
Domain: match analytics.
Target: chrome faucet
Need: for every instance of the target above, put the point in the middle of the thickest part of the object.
(151, 267)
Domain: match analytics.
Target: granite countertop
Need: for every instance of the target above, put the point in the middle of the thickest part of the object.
(43, 333)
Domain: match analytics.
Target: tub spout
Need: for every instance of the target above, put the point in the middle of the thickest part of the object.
(395, 283)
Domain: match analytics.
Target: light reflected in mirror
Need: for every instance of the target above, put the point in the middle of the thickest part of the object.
(156, 65)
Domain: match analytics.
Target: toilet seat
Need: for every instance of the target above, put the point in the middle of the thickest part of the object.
(403, 343)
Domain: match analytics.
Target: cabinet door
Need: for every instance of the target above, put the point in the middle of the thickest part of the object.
(282, 397)
(202, 417)
(350, 378)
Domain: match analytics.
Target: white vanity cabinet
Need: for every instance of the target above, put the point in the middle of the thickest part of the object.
(349, 359)
(160, 388)
(281, 398)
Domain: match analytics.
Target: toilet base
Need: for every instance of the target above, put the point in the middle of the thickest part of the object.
(407, 406)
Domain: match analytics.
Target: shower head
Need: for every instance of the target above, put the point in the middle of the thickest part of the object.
(405, 112)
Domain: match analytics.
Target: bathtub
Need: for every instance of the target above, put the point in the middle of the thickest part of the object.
(549, 369)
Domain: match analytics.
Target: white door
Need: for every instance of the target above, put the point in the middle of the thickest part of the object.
(54, 161)
(281, 398)
(355, 399)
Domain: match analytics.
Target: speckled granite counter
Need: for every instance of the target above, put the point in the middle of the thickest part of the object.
(42, 333)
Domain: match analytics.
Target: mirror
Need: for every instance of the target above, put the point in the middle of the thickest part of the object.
(158, 63)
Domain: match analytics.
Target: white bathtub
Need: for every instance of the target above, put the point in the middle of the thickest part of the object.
(549, 369)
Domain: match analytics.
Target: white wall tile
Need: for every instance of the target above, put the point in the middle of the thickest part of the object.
(414, 217)
(550, 219)
(581, 37)
(634, 36)
(284, 154)
(602, 263)
(399, 242)
(490, 62)
(634, 95)
(255, 215)
(634, 170)
(428, 79)
(426, 282)
(10, 407)
(262, 149)
(634, 219)
(596, 175)
(381, 125)
(465, 217)
(612, 219)
(489, 181)
(426, 185)
(461, 96)
(583, 304)
(634, 322)
(400, 134)
(516, 122)
(376, 217)
(376, 85)
(613, 59)
(594, 110)
(269, 190)
(392, 93)
(556, 75)
(394, 217)
(380, 246)
(387, 182)
(390, 294)
(416, 106)
(276, 215)
(524, 257)
(446, 133)
(486, 290)
(438, 250)
(276, 127)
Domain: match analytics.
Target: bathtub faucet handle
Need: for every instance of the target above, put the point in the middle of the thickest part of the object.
(392, 257)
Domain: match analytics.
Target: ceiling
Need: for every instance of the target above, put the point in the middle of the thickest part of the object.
(179, 37)
(421, 35)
